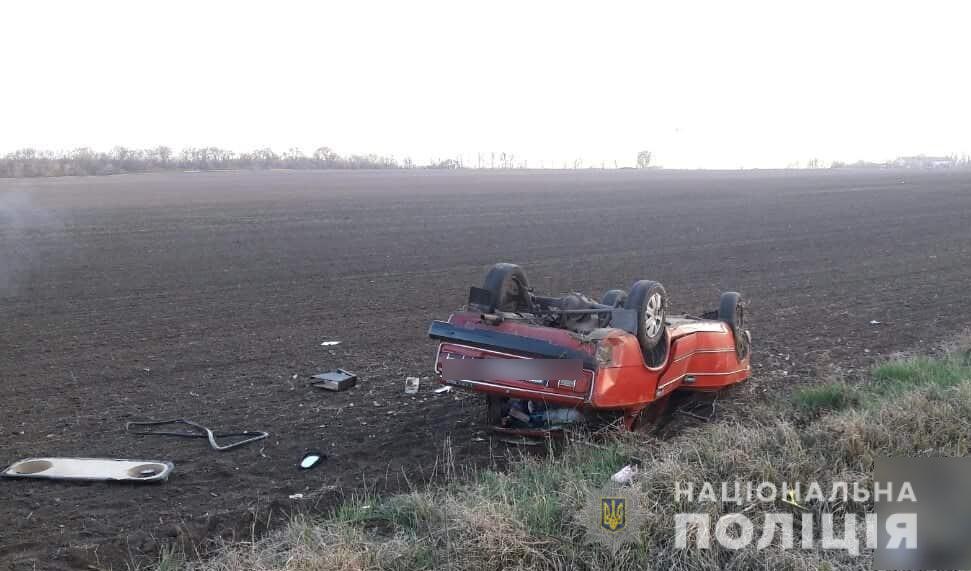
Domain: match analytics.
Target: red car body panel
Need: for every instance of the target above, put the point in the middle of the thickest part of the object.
(576, 396)
(701, 356)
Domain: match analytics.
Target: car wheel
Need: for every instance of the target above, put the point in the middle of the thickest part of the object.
(614, 298)
(650, 301)
(509, 288)
(731, 310)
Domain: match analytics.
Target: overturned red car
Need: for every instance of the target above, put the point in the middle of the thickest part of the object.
(570, 359)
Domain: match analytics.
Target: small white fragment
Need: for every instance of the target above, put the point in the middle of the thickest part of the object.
(442, 390)
(296, 496)
(625, 475)
(411, 385)
(874, 322)
(330, 343)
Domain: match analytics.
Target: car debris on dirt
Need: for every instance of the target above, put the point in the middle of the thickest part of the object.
(195, 430)
(411, 385)
(311, 460)
(337, 380)
(90, 469)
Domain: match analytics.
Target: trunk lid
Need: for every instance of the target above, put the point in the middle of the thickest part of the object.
(466, 336)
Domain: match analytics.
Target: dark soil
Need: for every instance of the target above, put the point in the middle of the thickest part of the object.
(207, 296)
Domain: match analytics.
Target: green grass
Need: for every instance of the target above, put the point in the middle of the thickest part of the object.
(536, 487)
(888, 380)
(902, 375)
(826, 397)
(169, 559)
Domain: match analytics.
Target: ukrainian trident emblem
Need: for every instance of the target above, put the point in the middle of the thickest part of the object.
(613, 517)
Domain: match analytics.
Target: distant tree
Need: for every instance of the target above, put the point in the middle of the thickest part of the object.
(23, 155)
(150, 158)
(164, 154)
(294, 158)
(120, 155)
(265, 157)
(325, 157)
(187, 157)
(221, 158)
(447, 164)
(644, 159)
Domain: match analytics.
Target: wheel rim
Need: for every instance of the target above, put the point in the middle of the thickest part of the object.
(654, 315)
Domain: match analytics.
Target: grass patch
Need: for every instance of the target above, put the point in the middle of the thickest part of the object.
(890, 379)
(169, 559)
(903, 375)
(826, 397)
(533, 516)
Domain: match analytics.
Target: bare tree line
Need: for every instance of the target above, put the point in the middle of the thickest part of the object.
(85, 161)
(30, 162)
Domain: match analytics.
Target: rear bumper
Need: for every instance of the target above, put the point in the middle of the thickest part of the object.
(495, 388)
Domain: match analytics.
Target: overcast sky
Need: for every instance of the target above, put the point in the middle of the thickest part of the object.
(721, 84)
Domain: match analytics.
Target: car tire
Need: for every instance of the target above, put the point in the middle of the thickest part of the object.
(509, 288)
(731, 311)
(650, 301)
(614, 298)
